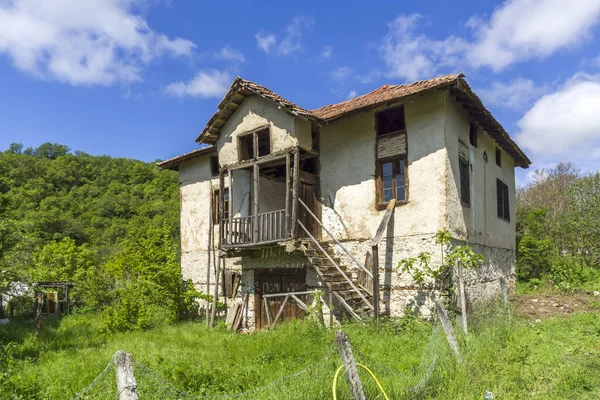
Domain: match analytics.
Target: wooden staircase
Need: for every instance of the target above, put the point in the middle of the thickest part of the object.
(349, 293)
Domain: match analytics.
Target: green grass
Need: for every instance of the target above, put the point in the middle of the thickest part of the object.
(555, 359)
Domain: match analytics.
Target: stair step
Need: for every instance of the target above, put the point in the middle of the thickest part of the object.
(330, 269)
(322, 261)
(350, 295)
(332, 277)
(339, 285)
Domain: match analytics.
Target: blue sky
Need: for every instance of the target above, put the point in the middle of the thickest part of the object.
(140, 78)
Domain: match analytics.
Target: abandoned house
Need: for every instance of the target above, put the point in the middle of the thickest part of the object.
(291, 199)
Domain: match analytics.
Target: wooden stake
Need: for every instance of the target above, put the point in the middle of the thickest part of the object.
(375, 272)
(125, 380)
(448, 329)
(463, 297)
(255, 180)
(343, 345)
(295, 190)
(209, 248)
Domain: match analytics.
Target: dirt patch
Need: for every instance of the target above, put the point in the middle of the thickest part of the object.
(540, 306)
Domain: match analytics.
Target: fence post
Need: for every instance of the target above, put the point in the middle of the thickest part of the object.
(125, 380)
(448, 329)
(343, 345)
(463, 297)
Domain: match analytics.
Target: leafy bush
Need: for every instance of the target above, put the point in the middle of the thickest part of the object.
(533, 257)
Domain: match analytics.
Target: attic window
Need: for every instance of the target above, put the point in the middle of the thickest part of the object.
(473, 134)
(391, 121)
(214, 165)
(255, 144)
(498, 157)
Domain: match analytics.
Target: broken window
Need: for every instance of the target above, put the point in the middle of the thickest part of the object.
(214, 165)
(391, 121)
(255, 144)
(473, 134)
(391, 179)
(215, 211)
(502, 198)
(465, 181)
(498, 157)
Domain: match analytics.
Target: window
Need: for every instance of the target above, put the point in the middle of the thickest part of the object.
(465, 184)
(214, 165)
(473, 134)
(502, 197)
(255, 144)
(391, 178)
(390, 121)
(216, 214)
(498, 157)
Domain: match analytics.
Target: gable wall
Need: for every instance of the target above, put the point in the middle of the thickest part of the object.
(348, 185)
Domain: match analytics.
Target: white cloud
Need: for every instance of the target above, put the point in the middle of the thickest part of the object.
(525, 29)
(341, 73)
(564, 125)
(292, 40)
(326, 52)
(82, 42)
(265, 41)
(227, 53)
(208, 83)
(517, 30)
(351, 94)
(516, 94)
(411, 56)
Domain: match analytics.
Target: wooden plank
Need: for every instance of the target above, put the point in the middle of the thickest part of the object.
(230, 211)
(287, 191)
(295, 190)
(300, 302)
(308, 178)
(345, 351)
(267, 312)
(256, 172)
(280, 310)
(448, 329)
(375, 250)
(463, 297)
(384, 222)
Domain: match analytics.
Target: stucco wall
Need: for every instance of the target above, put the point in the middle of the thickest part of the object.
(347, 174)
(478, 223)
(256, 112)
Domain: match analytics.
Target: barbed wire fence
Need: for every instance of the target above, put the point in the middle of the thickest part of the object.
(312, 381)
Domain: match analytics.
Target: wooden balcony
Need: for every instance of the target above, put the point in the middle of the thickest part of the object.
(269, 227)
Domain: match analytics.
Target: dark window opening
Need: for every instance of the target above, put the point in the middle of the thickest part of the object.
(214, 165)
(264, 142)
(246, 147)
(465, 183)
(502, 198)
(390, 121)
(499, 157)
(473, 134)
(391, 178)
(314, 135)
(215, 211)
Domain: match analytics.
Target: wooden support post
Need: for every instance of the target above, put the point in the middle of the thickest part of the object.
(448, 329)
(211, 232)
(330, 306)
(255, 194)
(126, 384)
(215, 293)
(375, 272)
(39, 302)
(231, 235)
(67, 299)
(221, 205)
(288, 177)
(295, 190)
(463, 297)
(343, 345)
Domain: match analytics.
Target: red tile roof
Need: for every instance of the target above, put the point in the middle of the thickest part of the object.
(173, 163)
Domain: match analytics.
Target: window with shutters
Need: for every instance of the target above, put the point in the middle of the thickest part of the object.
(215, 211)
(503, 200)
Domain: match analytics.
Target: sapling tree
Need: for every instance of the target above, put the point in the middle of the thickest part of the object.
(432, 276)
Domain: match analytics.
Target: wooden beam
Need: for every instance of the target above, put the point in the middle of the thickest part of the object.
(295, 190)
(375, 272)
(255, 183)
(288, 183)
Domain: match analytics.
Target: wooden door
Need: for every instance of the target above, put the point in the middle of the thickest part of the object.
(309, 194)
(278, 280)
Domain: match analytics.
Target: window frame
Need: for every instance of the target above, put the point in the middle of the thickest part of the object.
(502, 200)
(243, 138)
(216, 220)
(389, 110)
(214, 166)
(499, 156)
(464, 181)
(473, 134)
(381, 203)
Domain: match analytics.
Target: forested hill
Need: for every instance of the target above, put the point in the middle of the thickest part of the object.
(96, 221)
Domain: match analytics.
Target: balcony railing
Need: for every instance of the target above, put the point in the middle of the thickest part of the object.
(265, 228)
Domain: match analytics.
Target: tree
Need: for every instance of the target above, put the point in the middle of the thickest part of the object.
(51, 150)
(15, 148)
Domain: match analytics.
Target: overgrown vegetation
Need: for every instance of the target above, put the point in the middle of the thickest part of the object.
(512, 359)
(558, 230)
(108, 225)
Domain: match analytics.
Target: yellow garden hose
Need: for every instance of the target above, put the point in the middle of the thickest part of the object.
(334, 388)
